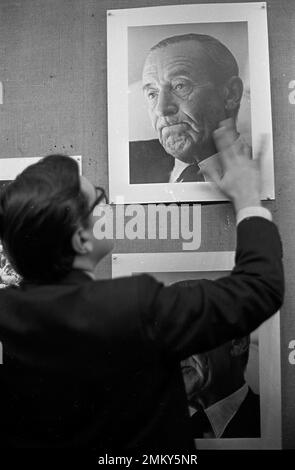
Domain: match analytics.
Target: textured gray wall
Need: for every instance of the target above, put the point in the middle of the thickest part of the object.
(54, 72)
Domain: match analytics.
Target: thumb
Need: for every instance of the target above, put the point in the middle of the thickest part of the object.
(225, 135)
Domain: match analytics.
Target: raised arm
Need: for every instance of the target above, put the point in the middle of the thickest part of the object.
(187, 320)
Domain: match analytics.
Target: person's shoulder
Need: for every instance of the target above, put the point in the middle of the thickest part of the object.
(149, 148)
(131, 280)
(253, 399)
(126, 286)
(149, 163)
(139, 281)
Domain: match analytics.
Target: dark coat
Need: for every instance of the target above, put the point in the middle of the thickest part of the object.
(246, 421)
(149, 163)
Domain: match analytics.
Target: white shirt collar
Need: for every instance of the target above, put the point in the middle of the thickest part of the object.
(222, 412)
(178, 168)
(213, 160)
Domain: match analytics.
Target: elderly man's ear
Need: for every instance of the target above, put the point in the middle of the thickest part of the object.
(233, 91)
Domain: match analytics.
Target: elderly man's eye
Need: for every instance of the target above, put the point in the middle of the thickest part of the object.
(181, 88)
(151, 95)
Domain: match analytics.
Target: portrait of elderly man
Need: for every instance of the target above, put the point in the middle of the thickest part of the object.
(8, 276)
(221, 404)
(190, 83)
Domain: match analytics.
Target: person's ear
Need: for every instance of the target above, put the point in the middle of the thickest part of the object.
(239, 346)
(81, 241)
(233, 91)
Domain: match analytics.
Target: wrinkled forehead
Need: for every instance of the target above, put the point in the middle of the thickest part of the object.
(185, 56)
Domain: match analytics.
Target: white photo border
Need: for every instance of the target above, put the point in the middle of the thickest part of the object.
(11, 167)
(118, 22)
(127, 264)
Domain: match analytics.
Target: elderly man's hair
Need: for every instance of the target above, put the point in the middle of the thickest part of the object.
(221, 62)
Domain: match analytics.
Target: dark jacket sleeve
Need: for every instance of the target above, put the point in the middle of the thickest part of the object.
(187, 320)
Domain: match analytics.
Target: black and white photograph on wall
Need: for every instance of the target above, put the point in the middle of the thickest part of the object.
(233, 391)
(8, 276)
(188, 82)
(184, 69)
(11, 167)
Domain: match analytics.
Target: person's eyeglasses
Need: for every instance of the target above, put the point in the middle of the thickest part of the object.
(101, 198)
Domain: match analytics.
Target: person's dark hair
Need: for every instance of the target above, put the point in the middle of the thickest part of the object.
(39, 212)
(221, 63)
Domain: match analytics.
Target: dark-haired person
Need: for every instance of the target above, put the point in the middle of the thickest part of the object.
(190, 83)
(221, 403)
(96, 364)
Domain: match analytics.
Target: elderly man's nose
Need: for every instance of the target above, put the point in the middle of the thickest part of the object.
(166, 104)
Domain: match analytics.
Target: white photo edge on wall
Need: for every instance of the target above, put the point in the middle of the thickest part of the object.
(11, 167)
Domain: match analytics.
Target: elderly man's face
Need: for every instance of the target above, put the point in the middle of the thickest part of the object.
(184, 104)
(206, 371)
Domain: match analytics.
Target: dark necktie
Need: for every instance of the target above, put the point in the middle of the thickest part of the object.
(190, 173)
(200, 424)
